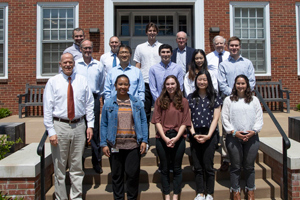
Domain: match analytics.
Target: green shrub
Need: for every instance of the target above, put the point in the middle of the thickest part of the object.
(298, 106)
(5, 197)
(6, 145)
(4, 112)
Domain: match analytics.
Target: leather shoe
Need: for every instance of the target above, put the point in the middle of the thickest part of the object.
(98, 169)
(224, 167)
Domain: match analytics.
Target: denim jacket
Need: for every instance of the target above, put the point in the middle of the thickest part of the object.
(109, 121)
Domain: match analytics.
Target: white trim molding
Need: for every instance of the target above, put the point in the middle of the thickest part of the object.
(5, 42)
(297, 7)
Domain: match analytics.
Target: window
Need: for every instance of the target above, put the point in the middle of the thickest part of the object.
(56, 22)
(250, 22)
(298, 35)
(3, 40)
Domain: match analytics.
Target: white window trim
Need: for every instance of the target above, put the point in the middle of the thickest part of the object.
(266, 7)
(5, 55)
(198, 14)
(298, 36)
(40, 6)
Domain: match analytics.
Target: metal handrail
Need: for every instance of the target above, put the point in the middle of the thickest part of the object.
(285, 145)
(41, 152)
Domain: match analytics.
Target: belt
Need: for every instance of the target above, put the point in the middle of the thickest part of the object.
(74, 121)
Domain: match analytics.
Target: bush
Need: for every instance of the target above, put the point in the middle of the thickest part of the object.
(4, 112)
(5, 197)
(298, 106)
(6, 145)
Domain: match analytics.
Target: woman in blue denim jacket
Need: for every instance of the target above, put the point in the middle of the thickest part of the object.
(124, 136)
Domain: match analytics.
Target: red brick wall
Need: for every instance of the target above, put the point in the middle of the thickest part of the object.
(22, 42)
(283, 39)
(293, 177)
(29, 188)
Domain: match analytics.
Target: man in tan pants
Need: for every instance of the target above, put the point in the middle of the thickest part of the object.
(67, 99)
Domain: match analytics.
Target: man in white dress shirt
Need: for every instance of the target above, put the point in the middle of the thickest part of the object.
(67, 99)
(146, 55)
(94, 73)
(110, 59)
(218, 55)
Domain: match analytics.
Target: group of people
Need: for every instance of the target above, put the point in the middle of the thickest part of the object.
(188, 90)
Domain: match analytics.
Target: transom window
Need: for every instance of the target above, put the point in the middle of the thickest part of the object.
(250, 25)
(56, 26)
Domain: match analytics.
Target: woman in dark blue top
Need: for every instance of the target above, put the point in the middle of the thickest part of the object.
(205, 106)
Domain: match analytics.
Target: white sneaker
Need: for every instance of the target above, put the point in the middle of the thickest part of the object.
(199, 197)
(209, 197)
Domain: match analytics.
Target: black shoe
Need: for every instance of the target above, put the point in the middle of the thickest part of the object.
(98, 169)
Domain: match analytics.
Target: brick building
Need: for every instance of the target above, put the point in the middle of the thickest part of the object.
(34, 33)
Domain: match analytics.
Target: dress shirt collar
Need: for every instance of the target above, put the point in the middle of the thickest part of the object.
(66, 77)
(76, 47)
(112, 53)
(154, 44)
(232, 59)
(81, 61)
(217, 53)
(183, 50)
(127, 68)
(165, 66)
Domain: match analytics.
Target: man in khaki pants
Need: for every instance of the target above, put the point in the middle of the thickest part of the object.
(67, 99)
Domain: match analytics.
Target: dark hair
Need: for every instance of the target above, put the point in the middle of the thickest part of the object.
(164, 98)
(151, 24)
(77, 30)
(125, 46)
(248, 94)
(165, 46)
(193, 69)
(233, 38)
(210, 91)
(122, 76)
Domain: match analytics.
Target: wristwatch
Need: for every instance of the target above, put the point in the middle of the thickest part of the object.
(233, 134)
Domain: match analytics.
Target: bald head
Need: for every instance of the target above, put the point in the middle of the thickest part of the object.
(181, 39)
(67, 63)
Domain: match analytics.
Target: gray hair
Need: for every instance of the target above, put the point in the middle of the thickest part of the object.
(219, 36)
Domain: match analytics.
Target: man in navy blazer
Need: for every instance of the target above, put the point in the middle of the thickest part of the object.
(182, 55)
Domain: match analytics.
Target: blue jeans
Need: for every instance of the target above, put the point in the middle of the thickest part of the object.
(242, 154)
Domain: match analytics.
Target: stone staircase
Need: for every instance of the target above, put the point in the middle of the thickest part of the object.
(97, 186)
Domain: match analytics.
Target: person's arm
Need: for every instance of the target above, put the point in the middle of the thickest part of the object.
(258, 118)
(141, 87)
(89, 110)
(108, 86)
(138, 65)
(187, 86)
(48, 105)
(214, 81)
(222, 80)
(103, 131)
(102, 79)
(152, 84)
(251, 76)
(144, 124)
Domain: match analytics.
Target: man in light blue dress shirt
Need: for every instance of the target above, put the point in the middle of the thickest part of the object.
(95, 75)
(159, 72)
(137, 85)
(234, 66)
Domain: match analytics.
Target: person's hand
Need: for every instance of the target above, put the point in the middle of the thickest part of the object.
(202, 138)
(106, 151)
(168, 141)
(89, 134)
(143, 147)
(53, 140)
(249, 135)
(241, 136)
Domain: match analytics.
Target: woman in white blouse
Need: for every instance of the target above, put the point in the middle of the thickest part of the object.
(242, 119)
(198, 62)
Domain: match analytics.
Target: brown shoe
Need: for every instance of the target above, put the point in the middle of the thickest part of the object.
(250, 195)
(224, 167)
(236, 195)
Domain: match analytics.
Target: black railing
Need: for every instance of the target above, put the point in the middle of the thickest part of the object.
(285, 145)
(41, 152)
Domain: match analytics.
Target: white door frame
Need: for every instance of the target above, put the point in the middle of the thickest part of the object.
(198, 14)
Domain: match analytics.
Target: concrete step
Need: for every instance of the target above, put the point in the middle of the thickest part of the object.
(265, 189)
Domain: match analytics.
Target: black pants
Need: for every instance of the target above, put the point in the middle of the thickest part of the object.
(166, 156)
(203, 159)
(95, 141)
(148, 102)
(127, 161)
